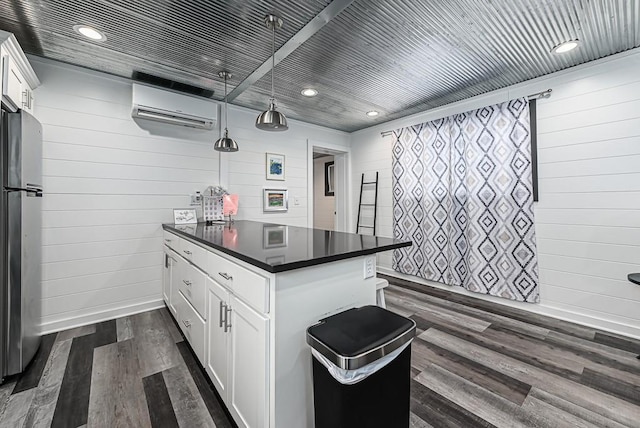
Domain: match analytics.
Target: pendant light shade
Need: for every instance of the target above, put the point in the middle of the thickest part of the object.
(271, 119)
(225, 144)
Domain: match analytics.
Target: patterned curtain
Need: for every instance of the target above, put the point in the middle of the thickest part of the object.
(463, 193)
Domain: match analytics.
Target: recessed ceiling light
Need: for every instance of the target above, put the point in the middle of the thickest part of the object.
(90, 32)
(309, 92)
(565, 47)
(372, 113)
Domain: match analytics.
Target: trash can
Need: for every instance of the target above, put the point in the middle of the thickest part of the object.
(362, 368)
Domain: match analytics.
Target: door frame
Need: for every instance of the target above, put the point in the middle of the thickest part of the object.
(342, 185)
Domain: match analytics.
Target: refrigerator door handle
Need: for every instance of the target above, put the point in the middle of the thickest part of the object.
(30, 191)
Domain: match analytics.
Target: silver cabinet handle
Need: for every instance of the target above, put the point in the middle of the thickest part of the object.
(186, 323)
(227, 325)
(226, 276)
(187, 252)
(187, 283)
(222, 311)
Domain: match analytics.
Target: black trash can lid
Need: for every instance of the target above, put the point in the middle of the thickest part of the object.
(359, 336)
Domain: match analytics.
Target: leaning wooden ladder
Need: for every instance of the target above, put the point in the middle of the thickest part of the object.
(374, 204)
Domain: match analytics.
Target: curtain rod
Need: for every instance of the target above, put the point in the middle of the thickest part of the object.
(537, 95)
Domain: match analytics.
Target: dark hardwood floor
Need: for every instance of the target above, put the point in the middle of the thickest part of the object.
(474, 364)
(480, 364)
(135, 371)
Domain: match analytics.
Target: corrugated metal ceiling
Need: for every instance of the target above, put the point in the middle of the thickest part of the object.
(395, 56)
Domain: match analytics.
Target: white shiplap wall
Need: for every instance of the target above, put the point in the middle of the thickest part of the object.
(324, 207)
(110, 185)
(588, 217)
(245, 172)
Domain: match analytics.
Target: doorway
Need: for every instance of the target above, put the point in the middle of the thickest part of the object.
(324, 200)
(328, 186)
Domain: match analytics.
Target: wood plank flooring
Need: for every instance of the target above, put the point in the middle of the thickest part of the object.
(474, 364)
(135, 371)
(477, 363)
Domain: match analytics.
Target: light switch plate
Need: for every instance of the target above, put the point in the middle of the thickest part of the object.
(296, 200)
(369, 267)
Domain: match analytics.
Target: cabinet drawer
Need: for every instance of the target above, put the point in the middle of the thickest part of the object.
(191, 284)
(171, 241)
(194, 253)
(249, 286)
(192, 326)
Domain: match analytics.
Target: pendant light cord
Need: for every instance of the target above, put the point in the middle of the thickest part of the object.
(226, 111)
(273, 61)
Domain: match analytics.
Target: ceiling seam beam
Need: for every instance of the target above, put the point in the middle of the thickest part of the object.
(305, 33)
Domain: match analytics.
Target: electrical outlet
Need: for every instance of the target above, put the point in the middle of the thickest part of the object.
(196, 199)
(369, 267)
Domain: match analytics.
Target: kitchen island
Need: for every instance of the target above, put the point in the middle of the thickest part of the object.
(244, 294)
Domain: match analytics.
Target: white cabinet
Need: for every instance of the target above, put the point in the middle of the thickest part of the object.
(237, 358)
(253, 327)
(170, 277)
(18, 78)
(248, 381)
(223, 317)
(166, 276)
(191, 284)
(12, 84)
(192, 325)
(217, 359)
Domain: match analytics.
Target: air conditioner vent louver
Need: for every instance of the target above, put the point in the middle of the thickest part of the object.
(176, 109)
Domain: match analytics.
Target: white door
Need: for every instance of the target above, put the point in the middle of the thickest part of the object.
(248, 366)
(218, 349)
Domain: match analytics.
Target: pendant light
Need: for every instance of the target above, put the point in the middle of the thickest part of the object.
(271, 119)
(225, 144)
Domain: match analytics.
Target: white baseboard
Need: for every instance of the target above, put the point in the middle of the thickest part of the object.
(537, 308)
(95, 317)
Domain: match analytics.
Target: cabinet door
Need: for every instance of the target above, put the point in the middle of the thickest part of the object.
(12, 83)
(166, 278)
(248, 372)
(217, 353)
(175, 272)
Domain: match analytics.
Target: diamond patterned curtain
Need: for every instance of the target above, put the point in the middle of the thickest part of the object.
(463, 193)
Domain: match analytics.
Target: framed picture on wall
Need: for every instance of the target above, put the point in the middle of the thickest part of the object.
(328, 179)
(275, 200)
(275, 166)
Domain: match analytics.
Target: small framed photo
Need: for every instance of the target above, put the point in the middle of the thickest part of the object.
(275, 200)
(275, 167)
(185, 216)
(328, 179)
(274, 236)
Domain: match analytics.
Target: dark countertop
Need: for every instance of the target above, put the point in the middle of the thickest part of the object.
(278, 248)
(634, 277)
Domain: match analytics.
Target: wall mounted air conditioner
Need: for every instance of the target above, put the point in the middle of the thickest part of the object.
(169, 107)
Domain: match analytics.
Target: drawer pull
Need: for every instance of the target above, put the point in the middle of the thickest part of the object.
(186, 323)
(187, 252)
(226, 276)
(222, 311)
(187, 283)
(227, 325)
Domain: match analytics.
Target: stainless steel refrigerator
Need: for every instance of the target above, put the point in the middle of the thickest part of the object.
(20, 240)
